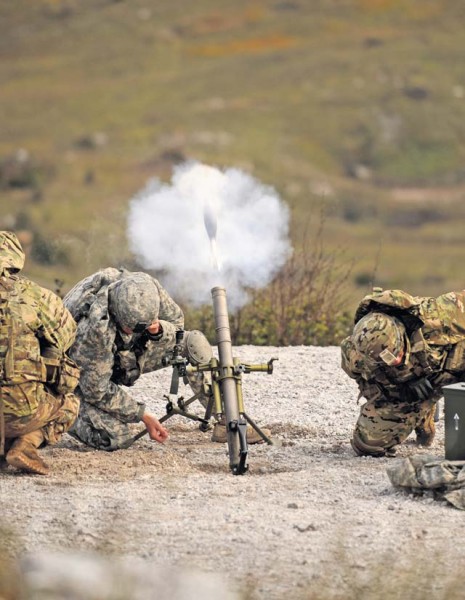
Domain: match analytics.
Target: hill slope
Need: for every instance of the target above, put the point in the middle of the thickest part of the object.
(349, 105)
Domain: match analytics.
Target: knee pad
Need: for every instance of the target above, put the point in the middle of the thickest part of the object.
(197, 347)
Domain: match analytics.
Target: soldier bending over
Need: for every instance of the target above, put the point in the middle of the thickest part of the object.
(127, 323)
(403, 349)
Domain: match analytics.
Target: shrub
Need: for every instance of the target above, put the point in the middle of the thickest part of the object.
(21, 171)
(303, 305)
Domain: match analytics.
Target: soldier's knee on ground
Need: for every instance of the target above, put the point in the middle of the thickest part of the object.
(102, 431)
(362, 448)
(84, 432)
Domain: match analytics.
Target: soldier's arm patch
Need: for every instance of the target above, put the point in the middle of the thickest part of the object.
(388, 357)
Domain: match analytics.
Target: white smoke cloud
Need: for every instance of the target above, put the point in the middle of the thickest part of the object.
(207, 228)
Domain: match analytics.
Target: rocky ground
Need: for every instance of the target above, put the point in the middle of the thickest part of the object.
(308, 520)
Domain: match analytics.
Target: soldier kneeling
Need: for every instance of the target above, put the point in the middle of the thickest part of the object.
(402, 351)
(37, 378)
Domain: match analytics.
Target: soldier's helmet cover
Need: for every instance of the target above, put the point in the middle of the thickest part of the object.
(134, 300)
(11, 253)
(379, 339)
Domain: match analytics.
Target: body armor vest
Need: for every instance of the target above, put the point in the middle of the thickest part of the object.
(20, 358)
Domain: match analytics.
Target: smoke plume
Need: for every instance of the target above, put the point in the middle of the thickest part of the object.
(209, 227)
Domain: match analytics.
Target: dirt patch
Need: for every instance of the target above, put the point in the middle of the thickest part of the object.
(305, 508)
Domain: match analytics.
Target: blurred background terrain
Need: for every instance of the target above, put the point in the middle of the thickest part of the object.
(354, 110)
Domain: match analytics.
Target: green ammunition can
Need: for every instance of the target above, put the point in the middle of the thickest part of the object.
(454, 421)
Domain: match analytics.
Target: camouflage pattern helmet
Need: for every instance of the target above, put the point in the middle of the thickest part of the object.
(379, 339)
(134, 300)
(11, 253)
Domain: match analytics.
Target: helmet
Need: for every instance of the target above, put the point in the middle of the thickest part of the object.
(134, 301)
(379, 339)
(11, 253)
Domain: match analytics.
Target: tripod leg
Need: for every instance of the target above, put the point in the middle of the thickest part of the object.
(252, 423)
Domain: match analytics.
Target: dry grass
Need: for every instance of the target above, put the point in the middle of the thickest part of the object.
(304, 93)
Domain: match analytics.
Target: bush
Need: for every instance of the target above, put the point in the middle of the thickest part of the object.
(21, 171)
(304, 305)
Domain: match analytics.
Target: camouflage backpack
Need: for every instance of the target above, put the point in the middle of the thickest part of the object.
(20, 356)
(16, 344)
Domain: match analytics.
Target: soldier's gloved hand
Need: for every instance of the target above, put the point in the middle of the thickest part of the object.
(421, 389)
(155, 429)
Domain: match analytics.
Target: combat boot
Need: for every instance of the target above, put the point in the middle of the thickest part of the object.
(23, 454)
(426, 431)
(220, 437)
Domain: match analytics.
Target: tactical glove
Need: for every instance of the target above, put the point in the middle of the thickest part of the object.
(421, 389)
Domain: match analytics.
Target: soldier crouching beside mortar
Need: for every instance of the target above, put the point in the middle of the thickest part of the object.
(37, 378)
(402, 351)
(127, 324)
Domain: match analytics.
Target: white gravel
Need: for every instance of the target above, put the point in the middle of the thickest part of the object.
(307, 515)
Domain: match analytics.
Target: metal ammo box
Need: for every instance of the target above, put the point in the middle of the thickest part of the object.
(454, 421)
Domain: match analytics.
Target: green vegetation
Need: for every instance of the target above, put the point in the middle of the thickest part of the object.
(356, 106)
(304, 305)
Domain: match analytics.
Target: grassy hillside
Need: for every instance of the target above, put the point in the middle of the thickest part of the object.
(355, 106)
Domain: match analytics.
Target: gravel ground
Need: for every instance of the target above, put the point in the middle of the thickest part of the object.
(308, 515)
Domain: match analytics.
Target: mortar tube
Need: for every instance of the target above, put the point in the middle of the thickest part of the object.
(226, 362)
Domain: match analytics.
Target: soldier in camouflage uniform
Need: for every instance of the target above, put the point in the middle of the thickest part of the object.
(402, 351)
(127, 323)
(37, 379)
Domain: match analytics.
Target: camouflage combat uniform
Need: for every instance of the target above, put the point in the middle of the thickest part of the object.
(422, 474)
(109, 358)
(36, 377)
(402, 398)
